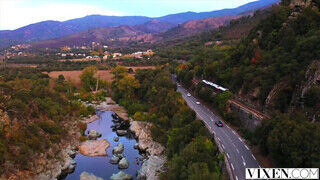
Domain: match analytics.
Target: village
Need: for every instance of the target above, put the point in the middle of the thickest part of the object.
(93, 52)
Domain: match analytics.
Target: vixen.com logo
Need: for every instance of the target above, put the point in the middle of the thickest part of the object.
(282, 173)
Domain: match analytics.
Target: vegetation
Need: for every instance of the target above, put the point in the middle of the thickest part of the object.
(35, 114)
(151, 96)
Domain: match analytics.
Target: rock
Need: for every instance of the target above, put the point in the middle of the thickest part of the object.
(114, 159)
(94, 147)
(116, 139)
(121, 132)
(123, 163)
(69, 166)
(150, 168)
(145, 141)
(88, 176)
(90, 119)
(121, 176)
(72, 153)
(120, 156)
(118, 149)
(136, 146)
(93, 134)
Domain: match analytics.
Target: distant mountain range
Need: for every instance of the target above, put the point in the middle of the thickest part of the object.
(139, 25)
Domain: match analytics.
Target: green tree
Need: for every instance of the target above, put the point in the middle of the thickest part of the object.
(87, 78)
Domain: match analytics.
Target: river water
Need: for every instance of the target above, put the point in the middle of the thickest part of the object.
(100, 166)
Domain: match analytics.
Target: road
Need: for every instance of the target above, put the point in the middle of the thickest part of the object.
(237, 152)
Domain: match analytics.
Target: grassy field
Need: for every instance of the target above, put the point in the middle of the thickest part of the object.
(73, 76)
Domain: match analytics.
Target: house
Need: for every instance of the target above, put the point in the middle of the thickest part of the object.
(63, 55)
(149, 51)
(89, 57)
(117, 55)
(105, 57)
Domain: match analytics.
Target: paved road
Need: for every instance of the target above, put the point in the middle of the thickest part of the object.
(237, 152)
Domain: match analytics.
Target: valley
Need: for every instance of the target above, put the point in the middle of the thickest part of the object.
(194, 95)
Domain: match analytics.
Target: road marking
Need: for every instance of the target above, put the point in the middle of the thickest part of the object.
(246, 147)
(233, 145)
(236, 177)
(222, 146)
(218, 138)
(253, 157)
(240, 139)
(234, 132)
(232, 166)
(228, 155)
(237, 150)
(243, 161)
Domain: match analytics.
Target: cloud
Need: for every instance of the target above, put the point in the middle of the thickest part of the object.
(14, 15)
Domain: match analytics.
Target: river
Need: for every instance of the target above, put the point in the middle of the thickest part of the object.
(100, 166)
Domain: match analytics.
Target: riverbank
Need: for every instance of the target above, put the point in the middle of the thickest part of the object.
(153, 164)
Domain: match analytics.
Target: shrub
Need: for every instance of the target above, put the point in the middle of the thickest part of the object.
(50, 127)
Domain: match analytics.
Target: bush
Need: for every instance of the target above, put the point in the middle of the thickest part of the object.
(83, 127)
(50, 127)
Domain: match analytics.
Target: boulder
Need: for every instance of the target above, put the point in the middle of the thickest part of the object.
(88, 176)
(116, 139)
(118, 149)
(151, 167)
(123, 163)
(121, 176)
(69, 166)
(121, 132)
(136, 146)
(114, 159)
(93, 134)
(144, 136)
(94, 147)
(120, 156)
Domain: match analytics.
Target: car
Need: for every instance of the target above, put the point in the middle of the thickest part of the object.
(188, 94)
(198, 102)
(178, 85)
(219, 123)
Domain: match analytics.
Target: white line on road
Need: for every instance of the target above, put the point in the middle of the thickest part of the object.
(218, 139)
(222, 146)
(253, 156)
(243, 161)
(232, 166)
(240, 139)
(246, 147)
(236, 177)
(233, 145)
(237, 150)
(234, 132)
(228, 155)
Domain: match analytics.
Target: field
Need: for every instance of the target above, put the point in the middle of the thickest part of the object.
(73, 76)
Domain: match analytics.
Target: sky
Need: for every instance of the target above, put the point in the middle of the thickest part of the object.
(17, 13)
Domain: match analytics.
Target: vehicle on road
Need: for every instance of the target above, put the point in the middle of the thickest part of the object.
(179, 85)
(188, 94)
(219, 123)
(198, 102)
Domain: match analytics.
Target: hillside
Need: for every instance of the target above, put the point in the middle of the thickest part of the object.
(275, 69)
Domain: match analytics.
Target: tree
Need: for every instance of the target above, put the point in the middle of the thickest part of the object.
(127, 85)
(119, 72)
(87, 78)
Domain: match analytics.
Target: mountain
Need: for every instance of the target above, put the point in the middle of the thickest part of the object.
(91, 35)
(187, 16)
(150, 32)
(155, 26)
(198, 26)
(55, 29)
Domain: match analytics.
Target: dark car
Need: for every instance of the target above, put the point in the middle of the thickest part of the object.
(219, 123)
